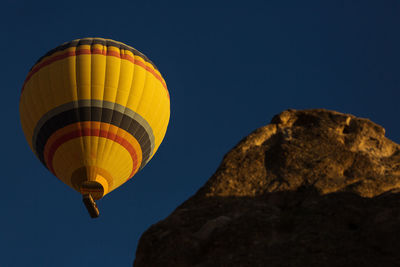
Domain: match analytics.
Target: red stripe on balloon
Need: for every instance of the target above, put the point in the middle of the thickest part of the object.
(94, 52)
(90, 132)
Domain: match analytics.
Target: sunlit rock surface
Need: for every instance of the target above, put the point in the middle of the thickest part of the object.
(313, 188)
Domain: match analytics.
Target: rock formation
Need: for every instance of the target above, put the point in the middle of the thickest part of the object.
(313, 188)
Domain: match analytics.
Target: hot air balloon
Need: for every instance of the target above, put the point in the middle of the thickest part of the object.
(94, 111)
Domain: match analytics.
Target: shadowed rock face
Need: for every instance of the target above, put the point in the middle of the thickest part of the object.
(313, 188)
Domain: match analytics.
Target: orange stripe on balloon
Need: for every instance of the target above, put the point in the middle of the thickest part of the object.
(94, 125)
(95, 51)
(90, 132)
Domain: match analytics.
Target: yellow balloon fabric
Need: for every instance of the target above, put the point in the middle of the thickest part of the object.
(94, 111)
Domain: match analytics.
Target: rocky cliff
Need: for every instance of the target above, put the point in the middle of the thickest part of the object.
(312, 188)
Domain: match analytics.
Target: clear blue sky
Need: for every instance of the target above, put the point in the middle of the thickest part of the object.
(229, 68)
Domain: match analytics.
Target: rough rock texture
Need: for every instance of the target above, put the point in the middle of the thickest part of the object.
(313, 188)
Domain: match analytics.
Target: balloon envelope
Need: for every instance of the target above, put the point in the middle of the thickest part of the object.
(94, 111)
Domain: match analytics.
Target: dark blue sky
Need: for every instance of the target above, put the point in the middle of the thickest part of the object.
(229, 68)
